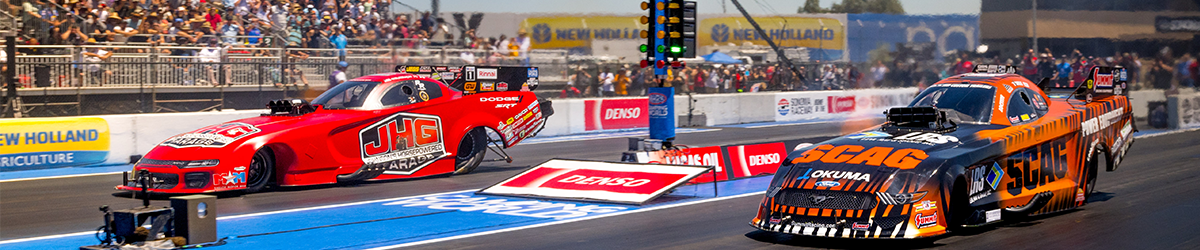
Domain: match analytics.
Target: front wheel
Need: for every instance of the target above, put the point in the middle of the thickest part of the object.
(471, 150)
(261, 168)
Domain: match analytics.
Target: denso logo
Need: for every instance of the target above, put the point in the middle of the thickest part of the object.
(767, 159)
(904, 158)
(597, 180)
(500, 99)
(622, 113)
(487, 73)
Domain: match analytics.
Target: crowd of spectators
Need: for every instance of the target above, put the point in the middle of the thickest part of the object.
(251, 23)
(1064, 71)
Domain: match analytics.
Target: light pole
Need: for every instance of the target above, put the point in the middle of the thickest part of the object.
(1035, 45)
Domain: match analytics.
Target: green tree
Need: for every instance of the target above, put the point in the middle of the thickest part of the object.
(884, 6)
(855, 7)
(812, 6)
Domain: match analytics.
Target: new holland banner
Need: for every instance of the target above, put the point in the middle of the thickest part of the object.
(35, 143)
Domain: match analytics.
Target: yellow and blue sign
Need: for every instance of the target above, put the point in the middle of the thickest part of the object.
(35, 143)
(576, 32)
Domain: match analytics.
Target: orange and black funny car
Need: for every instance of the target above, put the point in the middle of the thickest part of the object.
(970, 150)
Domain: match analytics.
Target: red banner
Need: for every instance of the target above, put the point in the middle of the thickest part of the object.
(751, 160)
(616, 114)
(702, 156)
(589, 180)
(841, 104)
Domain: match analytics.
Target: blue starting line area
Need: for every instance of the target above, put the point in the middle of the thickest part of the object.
(414, 220)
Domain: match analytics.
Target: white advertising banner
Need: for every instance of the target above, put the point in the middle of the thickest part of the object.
(836, 105)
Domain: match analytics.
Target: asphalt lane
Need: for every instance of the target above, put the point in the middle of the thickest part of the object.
(1149, 203)
(68, 205)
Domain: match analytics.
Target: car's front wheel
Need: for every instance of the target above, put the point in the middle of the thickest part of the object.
(471, 151)
(262, 167)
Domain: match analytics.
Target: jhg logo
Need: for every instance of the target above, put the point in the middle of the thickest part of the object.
(720, 33)
(406, 141)
(622, 113)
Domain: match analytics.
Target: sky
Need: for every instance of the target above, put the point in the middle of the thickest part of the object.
(755, 7)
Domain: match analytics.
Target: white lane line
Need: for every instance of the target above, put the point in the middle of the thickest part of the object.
(47, 237)
(565, 221)
(58, 176)
(1166, 133)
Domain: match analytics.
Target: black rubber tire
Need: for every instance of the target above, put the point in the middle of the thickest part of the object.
(959, 208)
(261, 170)
(1092, 166)
(471, 151)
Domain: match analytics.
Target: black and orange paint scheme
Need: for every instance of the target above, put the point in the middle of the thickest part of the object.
(970, 150)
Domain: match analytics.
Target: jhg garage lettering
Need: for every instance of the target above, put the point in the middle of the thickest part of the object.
(405, 141)
(519, 207)
(215, 136)
(1036, 166)
(905, 158)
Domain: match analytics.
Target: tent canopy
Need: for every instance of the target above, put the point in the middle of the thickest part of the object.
(722, 58)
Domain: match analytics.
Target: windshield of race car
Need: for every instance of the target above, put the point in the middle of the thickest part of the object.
(347, 95)
(963, 104)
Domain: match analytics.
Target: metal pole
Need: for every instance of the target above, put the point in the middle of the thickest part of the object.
(10, 98)
(1035, 45)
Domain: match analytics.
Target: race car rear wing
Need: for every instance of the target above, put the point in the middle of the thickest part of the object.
(477, 79)
(1101, 81)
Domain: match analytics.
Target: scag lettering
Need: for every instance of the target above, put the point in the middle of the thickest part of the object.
(905, 158)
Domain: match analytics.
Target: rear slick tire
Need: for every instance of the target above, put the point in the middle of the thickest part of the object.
(471, 151)
(262, 167)
(1092, 166)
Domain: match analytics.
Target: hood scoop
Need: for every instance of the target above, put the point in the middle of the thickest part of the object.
(917, 119)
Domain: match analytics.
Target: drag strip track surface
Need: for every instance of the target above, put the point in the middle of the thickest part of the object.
(1149, 203)
(43, 207)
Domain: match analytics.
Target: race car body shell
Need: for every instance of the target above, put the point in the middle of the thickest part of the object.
(411, 139)
(889, 182)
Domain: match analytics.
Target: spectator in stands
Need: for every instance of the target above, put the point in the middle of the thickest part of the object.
(95, 72)
(607, 78)
(1063, 78)
(622, 83)
(1161, 75)
(339, 42)
(1046, 68)
(230, 30)
(1183, 73)
(1029, 65)
(877, 73)
(338, 76)
(293, 71)
(212, 56)
(570, 90)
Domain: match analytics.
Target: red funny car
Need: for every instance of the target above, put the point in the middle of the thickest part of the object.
(421, 121)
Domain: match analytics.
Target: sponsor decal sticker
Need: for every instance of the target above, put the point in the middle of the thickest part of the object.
(1036, 166)
(872, 134)
(860, 226)
(487, 74)
(501, 86)
(531, 73)
(833, 174)
(924, 221)
(774, 220)
(469, 86)
(469, 73)
(991, 215)
(905, 158)
(657, 98)
(925, 205)
(229, 180)
(486, 86)
(829, 183)
(1079, 195)
(402, 143)
(213, 136)
(814, 225)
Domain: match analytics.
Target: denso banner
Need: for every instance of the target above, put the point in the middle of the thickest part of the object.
(756, 159)
(818, 105)
(702, 156)
(595, 181)
(616, 113)
(35, 143)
